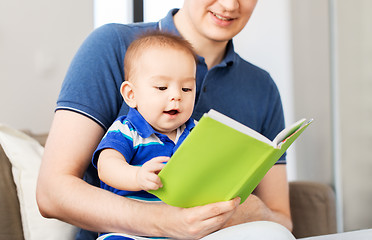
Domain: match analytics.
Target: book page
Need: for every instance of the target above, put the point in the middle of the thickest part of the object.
(238, 126)
(288, 131)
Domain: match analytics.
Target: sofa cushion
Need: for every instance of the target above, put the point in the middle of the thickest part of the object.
(24, 154)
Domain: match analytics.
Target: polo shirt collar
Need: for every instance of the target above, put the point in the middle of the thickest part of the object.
(167, 24)
(144, 129)
(230, 55)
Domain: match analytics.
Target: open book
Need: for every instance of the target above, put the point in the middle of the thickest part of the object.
(220, 160)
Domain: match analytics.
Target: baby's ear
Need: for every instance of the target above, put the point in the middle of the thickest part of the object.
(127, 91)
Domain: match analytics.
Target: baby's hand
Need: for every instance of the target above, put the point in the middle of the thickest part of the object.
(147, 175)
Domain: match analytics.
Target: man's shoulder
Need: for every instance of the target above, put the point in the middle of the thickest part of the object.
(125, 32)
(246, 66)
(248, 74)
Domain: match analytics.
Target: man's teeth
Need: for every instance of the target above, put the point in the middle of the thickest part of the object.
(221, 18)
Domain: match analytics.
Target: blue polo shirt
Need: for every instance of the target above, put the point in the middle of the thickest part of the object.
(138, 142)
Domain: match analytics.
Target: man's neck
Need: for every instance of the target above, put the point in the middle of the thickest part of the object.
(212, 51)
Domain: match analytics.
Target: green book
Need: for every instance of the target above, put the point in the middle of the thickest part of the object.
(220, 160)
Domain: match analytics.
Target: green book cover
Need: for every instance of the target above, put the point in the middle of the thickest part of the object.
(220, 160)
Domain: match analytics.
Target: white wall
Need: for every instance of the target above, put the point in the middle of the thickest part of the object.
(355, 92)
(156, 10)
(311, 48)
(112, 11)
(37, 41)
(311, 72)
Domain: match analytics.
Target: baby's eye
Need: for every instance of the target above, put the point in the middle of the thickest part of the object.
(162, 88)
(186, 89)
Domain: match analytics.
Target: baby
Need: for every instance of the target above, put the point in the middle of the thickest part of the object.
(159, 88)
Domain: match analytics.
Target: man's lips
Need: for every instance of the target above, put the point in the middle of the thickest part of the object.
(223, 18)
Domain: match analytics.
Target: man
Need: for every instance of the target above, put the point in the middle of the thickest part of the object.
(82, 117)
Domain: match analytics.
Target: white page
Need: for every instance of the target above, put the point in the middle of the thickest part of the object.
(238, 126)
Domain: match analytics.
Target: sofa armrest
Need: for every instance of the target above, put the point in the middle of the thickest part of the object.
(10, 216)
(312, 208)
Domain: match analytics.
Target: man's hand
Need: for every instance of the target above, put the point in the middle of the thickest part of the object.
(269, 201)
(197, 222)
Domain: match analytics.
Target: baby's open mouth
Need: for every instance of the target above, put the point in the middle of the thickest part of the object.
(172, 112)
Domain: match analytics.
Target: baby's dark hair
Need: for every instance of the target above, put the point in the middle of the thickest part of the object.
(154, 39)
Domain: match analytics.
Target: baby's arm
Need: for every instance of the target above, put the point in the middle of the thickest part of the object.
(114, 170)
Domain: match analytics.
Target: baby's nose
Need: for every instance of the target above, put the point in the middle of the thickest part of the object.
(176, 95)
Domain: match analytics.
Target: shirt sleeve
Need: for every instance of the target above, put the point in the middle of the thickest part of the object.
(92, 83)
(120, 138)
(274, 122)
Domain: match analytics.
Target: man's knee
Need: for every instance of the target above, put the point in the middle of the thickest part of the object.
(253, 231)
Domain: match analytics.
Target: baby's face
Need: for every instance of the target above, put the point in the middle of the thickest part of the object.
(164, 87)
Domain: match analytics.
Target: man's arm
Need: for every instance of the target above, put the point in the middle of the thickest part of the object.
(269, 201)
(62, 194)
